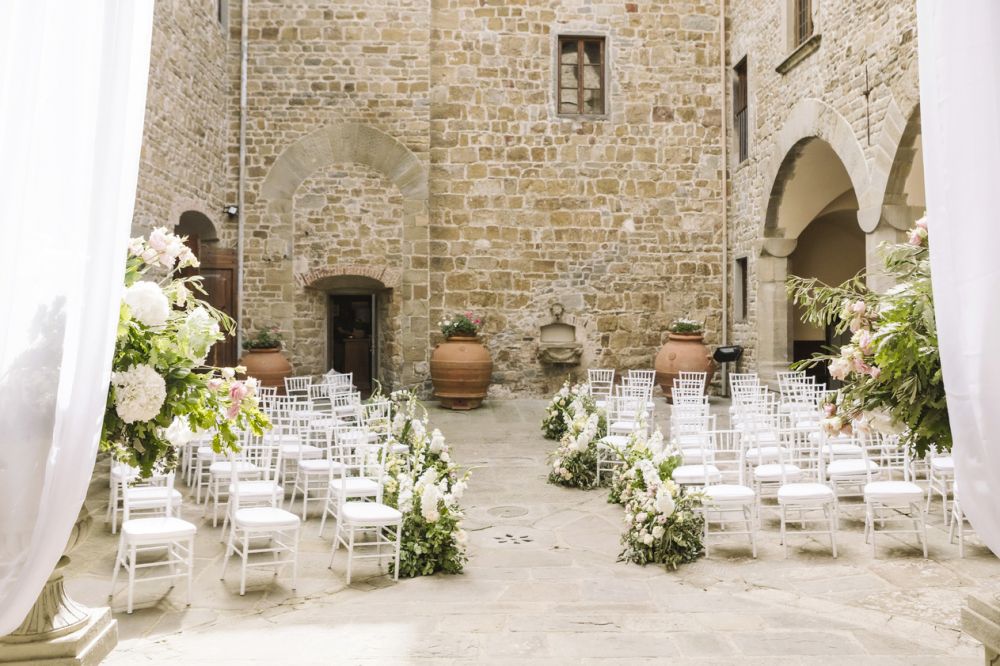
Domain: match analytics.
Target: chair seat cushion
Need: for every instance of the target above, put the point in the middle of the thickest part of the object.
(320, 465)
(145, 496)
(843, 449)
(370, 513)
(894, 490)
(945, 464)
(157, 528)
(303, 450)
(851, 467)
(225, 468)
(798, 492)
(725, 493)
(772, 472)
(354, 486)
(257, 489)
(696, 474)
(261, 517)
(616, 442)
(623, 426)
(762, 453)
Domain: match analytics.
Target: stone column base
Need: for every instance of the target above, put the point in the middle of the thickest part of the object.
(981, 620)
(86, 646)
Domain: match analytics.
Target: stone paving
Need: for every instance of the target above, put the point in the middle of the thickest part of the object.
(543, 585)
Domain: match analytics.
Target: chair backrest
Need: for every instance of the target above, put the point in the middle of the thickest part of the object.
(376, 417)
(265, 396)
(339, 380)
(601, 381)
(641, 377)
(130, 479)
(298, 385)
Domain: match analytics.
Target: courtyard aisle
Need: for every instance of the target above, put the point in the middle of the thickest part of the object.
(543, 585)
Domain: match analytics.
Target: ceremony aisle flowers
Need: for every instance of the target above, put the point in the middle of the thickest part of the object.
(160, 388)
(574, 462)
(426, 485)
(557, 414)
(662, 524)
(891, 368)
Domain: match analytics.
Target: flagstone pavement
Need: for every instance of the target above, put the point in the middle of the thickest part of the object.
(543, 586)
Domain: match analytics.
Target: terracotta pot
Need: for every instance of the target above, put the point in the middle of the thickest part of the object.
(460, 369)
(269, 366)
(682, 353)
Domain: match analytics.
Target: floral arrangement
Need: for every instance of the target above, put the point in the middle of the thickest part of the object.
(662, 522)
(268, 337)
(160, 388)
(574, 462)
(557, 414)
(685, 326)
(891, 369)
(426, 485)
(643, 446)
(461, 324)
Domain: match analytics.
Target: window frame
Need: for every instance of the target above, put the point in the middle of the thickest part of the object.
(581, 39)
(741, 110)
(802, 22)
(741, 288)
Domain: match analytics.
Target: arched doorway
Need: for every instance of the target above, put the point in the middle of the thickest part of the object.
(217, 269)
(811, 231)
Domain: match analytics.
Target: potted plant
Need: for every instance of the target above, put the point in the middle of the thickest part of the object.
(263, 358)
(684, 351)
(461, 366)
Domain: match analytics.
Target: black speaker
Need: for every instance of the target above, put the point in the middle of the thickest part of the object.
(729, 354)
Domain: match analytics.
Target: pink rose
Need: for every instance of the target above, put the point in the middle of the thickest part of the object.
(875, 372)
(865, 341)
(214, 384)
(158, 239)
(237, 392)
(829, 409)
(859, 307)
(233, 411)
(922, 223)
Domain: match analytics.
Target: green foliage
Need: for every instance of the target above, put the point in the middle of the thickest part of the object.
(426, 485)
(685, 326)
(891, 369)
(461, 324)
(574, 462)
(268, 337)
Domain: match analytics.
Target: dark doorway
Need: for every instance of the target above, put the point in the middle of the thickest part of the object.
(351, 336)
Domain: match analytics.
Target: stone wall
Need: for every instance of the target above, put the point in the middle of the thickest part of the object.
(824, 96)
(618, 219)
(182, 164)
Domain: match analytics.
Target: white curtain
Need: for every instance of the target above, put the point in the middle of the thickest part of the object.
(72, 99)
(960, 114)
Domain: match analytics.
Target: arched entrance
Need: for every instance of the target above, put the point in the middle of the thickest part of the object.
(811, 229)
(217, 269)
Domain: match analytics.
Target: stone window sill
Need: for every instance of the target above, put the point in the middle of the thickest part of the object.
(803, 51)
(583, 117)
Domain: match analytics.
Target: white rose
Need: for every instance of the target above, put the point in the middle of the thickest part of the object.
(139, 393)
(658, 532)
(228, 373)
(665, 503)
(641, 517)
(178, 433)
(647, 539)
(148, 303)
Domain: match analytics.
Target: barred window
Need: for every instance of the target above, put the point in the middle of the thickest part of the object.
(803, 21)
(740, 123)
(581, 75)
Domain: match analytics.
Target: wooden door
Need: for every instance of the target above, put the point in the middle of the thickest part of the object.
(218, 277)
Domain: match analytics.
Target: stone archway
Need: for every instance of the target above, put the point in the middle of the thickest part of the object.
(345, 144)
(818, 169)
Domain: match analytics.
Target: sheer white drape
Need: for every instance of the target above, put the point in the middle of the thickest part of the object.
(72, 98)
(960, 108)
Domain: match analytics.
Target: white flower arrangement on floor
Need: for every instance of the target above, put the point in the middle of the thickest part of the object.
(574, 462)
(662, 524)
(557, 415)
(426, 485)
(160, 388)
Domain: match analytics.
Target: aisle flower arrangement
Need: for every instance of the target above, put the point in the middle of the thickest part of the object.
(426, 485)
(643, 446)
(891, 369)
(574, 462)
(557, 414)
(160, 387)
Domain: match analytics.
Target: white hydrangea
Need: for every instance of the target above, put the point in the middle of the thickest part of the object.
(139, 393)
(429, 498)
(179, 432)
(201, 331)
(148, 303)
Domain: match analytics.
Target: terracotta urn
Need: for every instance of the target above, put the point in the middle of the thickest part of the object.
(268, 365)
(460, 369)
(682, 353)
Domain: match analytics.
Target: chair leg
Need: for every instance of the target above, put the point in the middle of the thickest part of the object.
(190, 568)
(229, 552)
(118, 563)
(131, 579)
(399, 544)
(326, 510)
(243, 569)
(784, 539)
(295, 557)
(833, 531)
(350, 549)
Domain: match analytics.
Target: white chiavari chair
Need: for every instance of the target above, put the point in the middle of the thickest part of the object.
(897, 503)
(258, 489)
(803, 494)
(601, 383)
(153, 495)
(348, 480)
(298, 386)
(729, 504)
(940, 479)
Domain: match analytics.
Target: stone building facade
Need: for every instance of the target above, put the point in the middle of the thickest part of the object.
(414, 151)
